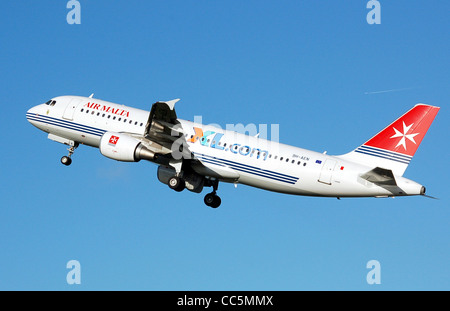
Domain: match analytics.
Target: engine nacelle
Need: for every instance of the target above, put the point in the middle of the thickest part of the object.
(122, 147)
(194, 182)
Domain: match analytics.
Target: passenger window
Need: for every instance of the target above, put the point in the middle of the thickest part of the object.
(281, 159)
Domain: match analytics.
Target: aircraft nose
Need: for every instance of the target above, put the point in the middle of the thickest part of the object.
(33, 113)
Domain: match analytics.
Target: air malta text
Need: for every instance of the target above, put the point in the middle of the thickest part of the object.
(108, 109)
(212, 139)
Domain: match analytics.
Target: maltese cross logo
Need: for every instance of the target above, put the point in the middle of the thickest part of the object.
(404, 135)
(113, 140)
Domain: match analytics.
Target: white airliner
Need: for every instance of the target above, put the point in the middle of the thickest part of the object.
(192, 156)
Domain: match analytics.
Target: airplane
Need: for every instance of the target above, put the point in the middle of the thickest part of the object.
(192, 156)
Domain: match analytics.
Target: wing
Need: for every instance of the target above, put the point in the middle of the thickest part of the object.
(164, 135)
(162, 114)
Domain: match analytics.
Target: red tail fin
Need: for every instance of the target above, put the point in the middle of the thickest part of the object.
(394, 147)
(405, 134)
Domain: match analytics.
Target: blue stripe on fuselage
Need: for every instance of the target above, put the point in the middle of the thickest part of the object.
(247, 168)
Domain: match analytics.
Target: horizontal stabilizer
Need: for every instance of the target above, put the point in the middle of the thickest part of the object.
(430, 197)
(380, 176)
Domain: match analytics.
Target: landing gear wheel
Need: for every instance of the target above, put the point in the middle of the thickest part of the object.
(176, 183)
(66, 160)
(212, 200)
(217, 202)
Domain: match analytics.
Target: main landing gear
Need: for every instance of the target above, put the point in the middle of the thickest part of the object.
(67, 160)
(211, 199)
(176, 183)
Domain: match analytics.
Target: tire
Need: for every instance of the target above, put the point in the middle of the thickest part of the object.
(209, 199)
(212, 200)
(217, 202)
(66, 161)
(176, 183)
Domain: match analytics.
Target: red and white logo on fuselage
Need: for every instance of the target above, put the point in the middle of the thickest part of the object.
(113, 140)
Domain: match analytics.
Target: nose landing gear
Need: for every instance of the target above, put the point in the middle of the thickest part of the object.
(67, 160)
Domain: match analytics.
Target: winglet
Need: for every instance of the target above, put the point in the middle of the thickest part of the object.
(170, 103)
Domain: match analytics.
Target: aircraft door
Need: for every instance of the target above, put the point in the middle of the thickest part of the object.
(70, 109)
(327, 171)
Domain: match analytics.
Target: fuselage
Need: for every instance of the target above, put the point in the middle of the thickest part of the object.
(226, 155)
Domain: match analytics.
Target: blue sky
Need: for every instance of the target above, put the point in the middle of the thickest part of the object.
(316, 68)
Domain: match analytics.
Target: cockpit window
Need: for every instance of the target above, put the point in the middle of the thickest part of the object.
(51, 102)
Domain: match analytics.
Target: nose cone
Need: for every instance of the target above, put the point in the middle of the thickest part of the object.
(33, 114)
(33, 110)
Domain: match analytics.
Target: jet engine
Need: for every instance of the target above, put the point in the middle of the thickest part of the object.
(122, 147)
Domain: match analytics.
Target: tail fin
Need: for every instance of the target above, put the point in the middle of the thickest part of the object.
(394, 147)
